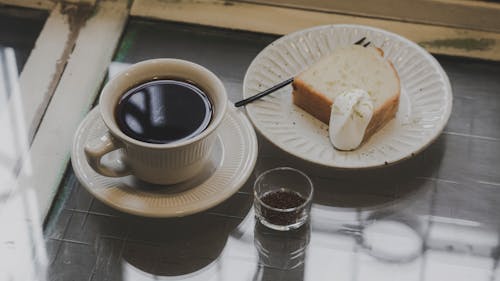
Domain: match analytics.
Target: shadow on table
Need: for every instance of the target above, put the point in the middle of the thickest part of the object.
(173, 247)
(369, 188)
(181, 246)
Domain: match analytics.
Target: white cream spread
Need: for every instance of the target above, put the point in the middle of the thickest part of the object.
(352, 110)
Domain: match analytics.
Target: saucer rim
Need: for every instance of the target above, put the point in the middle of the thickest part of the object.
(247, 168)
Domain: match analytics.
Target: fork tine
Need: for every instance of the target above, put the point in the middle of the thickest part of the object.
(360, 41)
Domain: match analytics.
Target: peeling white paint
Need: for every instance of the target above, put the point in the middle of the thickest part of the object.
(72, 99)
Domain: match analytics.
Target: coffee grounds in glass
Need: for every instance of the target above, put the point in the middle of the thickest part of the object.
(282, 199)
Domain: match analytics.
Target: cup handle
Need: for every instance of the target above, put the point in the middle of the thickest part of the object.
(104, 145)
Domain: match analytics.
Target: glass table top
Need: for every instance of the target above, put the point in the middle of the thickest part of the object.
(433, 217)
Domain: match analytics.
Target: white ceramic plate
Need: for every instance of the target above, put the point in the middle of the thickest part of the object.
(425, 104)
(233, 159)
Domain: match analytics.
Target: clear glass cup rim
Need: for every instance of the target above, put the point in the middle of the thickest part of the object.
(308, 199)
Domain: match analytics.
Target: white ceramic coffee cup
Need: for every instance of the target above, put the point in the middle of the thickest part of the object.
(156, 163)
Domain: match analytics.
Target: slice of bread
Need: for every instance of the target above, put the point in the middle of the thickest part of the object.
(347, 68)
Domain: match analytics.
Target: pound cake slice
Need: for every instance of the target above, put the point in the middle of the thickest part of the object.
(350, 67)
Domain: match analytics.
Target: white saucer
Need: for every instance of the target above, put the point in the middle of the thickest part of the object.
(424, 109)
(233, 159)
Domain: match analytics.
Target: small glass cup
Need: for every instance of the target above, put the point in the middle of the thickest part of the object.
(282, 198)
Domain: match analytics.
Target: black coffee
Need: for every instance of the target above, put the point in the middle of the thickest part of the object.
(163, 111)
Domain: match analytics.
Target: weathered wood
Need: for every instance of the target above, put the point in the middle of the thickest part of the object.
(74, 95)
(34, 4)
(43, 4)
(476, 15)
(44, 67)
(280, 20)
